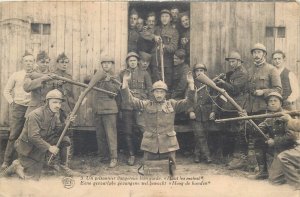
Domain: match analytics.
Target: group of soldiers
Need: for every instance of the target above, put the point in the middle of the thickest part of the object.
(41, 102)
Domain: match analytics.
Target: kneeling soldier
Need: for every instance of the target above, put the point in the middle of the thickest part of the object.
(159, 139)
(280, 139)
(41, 132)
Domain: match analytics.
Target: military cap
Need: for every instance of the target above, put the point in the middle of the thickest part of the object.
(259, 46)
(160, 85)
(107, 59)
(132, 54)
(234, 55)
(279, 51)
(199, 66)
(276, 94)
(27, 53)
(166, 11)
(61, 56)
(145, 56)
(55, 94)
(184, 14)
(180, 53)
(133, 12)
(42, 55)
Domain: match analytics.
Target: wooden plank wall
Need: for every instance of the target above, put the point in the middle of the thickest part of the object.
(217, 28)
(85, 31)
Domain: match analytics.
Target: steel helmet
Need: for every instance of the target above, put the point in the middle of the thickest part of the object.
(276, 94)
(259, 46)
(198, 66)
(55, 94)
(160, 85)
(234, 55)
(107, 59)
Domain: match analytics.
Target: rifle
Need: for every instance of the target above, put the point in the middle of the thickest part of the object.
(92, 83)
(161, 54)
(274, 115)
(204, 79)
(214, 79)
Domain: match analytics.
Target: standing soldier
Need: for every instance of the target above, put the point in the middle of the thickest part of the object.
(169, 38)
(175, 17)
(280, 139)
(18, 101)
(41, 132)
(159, 140)
(236, 85)
(185, 34)
(140, 84)
(133, 34)
(106, 110)
(179, 83)
(38, 82)
(289, 82)
(140, 24)
(62, 64)
(264, 79)
(200, 114)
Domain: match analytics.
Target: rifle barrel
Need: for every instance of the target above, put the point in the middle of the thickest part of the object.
(260, 116)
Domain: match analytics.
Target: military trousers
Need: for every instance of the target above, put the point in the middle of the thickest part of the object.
(287, 168)
(16, 123)
(106, 133)
(200, 133)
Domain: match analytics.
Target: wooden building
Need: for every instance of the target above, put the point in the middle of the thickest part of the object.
(88, 30)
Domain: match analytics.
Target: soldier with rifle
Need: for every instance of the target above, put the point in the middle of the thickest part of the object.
(280, 138)
(41, 131)
(235, 84)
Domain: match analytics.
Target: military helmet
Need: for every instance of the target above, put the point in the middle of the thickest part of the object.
(259, 46)
(199, 66)
(234, 55)
(276, 94)
(55, 94)
(160, 85)
(132, 54)
(107, 59)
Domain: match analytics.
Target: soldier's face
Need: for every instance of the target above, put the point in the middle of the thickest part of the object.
(159, 95)
(27, 63)
(258, 55)
(274, 104)
(165, 18)
(185, 21)
(55, 105)
(177, 60)
(234, 63)
(106, 66)
(175, 13)
(277, 59)
(132, 62)
(63, 64)
(43, 64)
(150, 22)
(140, 24)
(144, 64)
(133, 20)
(199, 71)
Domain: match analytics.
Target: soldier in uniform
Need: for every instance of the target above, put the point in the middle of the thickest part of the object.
(145, 59)
(290, 84)
(185, 34)
(38, 82)
(159, 140)
(169, 38)
(175, 17)
(133, 34)
(179, 83)
(106, 111)
(62, 64)
(236, 85)
(41, 132)
(200, 114)
(18, 101)
(140, 24)
(280, 139)
(140, 84)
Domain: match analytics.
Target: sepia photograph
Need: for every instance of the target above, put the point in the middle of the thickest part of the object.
(149, 98)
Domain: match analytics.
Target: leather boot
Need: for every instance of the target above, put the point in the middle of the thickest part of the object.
(16, 168)
(238, 163)
(262, 174)
(113, 163)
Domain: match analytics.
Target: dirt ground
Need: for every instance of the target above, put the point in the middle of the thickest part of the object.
(205, 180)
